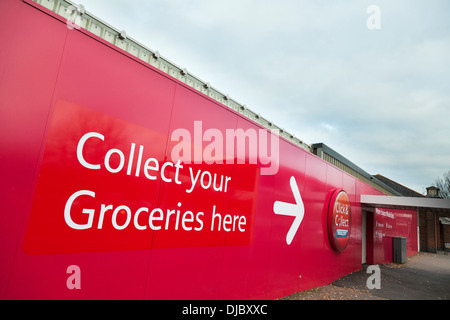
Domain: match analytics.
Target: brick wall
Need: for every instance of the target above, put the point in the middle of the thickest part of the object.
(433, 234)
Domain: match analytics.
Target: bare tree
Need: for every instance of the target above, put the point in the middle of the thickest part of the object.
(444, 185)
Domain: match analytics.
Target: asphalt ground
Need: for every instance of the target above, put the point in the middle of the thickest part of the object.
(425, 276)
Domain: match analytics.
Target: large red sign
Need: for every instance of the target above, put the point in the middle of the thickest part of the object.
(105, 185)
(136, 184)
(339, 220)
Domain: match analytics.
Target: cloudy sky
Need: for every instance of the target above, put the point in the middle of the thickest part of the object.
(380, 97)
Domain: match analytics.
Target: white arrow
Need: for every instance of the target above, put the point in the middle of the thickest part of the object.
(296, 210)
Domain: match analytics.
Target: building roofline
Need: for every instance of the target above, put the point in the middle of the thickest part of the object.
(408, 203)
(326, 149)
(399, 184)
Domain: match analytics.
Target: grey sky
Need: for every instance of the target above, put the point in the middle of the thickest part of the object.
(381, 98)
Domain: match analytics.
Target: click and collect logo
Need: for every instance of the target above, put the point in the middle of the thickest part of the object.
(339, 220)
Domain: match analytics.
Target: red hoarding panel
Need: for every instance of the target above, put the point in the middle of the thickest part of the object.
(95, 76)
(284, 261)
(150, 189)
(223, 192)
(28, 71)
(246, 267)
(353, 249)
(313, 237)
(129, 92)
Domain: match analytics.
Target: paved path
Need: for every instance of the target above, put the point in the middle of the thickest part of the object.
(425, 276)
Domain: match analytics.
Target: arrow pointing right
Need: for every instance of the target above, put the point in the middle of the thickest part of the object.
(296, 210)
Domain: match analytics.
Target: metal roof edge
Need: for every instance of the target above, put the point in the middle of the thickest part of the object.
(353, 166)
(406, 202)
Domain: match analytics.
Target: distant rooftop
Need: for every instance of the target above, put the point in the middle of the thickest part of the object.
(325, 152)
(404, 191)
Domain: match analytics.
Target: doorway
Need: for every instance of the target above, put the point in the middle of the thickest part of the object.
(363, 238)
(367, 237)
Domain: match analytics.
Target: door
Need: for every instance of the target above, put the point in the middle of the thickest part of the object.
(363, 237)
